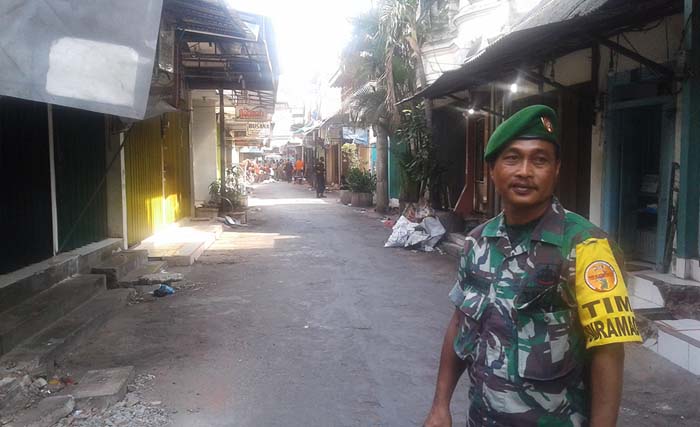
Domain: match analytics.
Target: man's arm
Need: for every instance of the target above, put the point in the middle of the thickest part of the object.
(449, 372)
(607, 363)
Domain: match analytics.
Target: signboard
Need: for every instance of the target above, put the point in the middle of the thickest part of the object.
(245, 113)
(356, 135)
(258, 129)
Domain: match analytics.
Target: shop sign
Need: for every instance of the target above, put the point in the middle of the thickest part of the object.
(245, 113)
(258, 129)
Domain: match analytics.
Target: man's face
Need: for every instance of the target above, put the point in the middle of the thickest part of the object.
(526, 172)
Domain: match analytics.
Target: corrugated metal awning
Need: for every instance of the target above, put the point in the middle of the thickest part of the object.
(224, 48)
(555, 28)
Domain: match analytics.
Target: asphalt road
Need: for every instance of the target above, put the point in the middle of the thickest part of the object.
(304, 319)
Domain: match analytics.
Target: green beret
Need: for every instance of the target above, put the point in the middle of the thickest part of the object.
(533, 122)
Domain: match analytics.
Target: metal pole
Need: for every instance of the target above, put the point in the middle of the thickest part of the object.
(222, 143)
(52, 174)
(122, 182)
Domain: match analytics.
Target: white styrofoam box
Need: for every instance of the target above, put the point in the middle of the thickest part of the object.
(694, 360)
(683, 268)
(682, 324)
(673, 349)
(695, 269)
(644, 288)
(692, 333)
(640, 303)
(651, 344)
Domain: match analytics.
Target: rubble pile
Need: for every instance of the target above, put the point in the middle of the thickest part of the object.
(19, 391)
(133, 410)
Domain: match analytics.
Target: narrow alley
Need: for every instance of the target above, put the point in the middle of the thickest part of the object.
(304, 319)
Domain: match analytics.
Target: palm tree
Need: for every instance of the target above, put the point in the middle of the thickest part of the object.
(383, 52)
(402, 30)
(363, 60)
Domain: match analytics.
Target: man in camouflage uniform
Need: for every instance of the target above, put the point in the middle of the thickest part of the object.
(541, 304)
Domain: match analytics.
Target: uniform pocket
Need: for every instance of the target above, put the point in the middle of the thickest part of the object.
(476, 292)
(545, 344)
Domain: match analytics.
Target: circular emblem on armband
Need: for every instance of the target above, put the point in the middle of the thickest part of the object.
(600, 276)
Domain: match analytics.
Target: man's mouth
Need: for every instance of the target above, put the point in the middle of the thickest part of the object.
(522, 189)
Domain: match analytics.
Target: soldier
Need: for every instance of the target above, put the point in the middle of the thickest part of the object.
(320, 172)
(542, 310)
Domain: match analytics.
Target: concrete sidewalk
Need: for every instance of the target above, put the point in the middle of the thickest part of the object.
(304, 319)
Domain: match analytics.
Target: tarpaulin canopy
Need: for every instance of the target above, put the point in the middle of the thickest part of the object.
(94, 55)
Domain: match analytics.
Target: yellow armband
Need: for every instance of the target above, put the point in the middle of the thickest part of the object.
(603, 305)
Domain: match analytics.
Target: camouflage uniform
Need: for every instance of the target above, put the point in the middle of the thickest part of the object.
(523, 335)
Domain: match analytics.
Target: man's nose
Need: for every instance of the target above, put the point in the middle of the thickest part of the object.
(525, 168)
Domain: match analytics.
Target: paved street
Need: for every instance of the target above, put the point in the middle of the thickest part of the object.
(304, 319)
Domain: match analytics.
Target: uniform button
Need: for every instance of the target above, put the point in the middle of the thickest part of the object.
(547, 318)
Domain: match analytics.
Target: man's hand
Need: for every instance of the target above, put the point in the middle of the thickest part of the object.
(451, 368)
(607, 363)
(439, 416)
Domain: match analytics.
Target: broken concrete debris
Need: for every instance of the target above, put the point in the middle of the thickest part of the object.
(100, 388)
(160, 278)
(48, 412)
(132, 410)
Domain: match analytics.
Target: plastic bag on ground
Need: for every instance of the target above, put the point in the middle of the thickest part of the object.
(401, 232)
(435, 229)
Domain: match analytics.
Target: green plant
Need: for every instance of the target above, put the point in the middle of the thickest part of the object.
(215, 191)
(361, 181)
(349, 151)
(420, 168)
(234, 188)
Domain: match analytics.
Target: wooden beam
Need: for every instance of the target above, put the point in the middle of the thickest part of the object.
(595, 79)
(540, 78)
(654, 66)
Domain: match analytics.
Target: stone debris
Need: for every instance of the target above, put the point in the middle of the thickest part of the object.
(133, 410)
(39, 383)
(101, 388)
(20, 391)
(158, 278)
(47, 413)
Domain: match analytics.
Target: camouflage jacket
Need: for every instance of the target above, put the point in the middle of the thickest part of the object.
(530, 314)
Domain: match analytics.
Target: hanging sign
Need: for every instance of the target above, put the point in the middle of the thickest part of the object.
(258, 129)
(245, 113)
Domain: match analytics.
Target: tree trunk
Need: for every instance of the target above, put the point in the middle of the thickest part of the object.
(422, 79)
(394, 116)
(382, 169)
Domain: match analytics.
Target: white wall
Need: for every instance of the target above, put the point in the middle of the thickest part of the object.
(203, 147)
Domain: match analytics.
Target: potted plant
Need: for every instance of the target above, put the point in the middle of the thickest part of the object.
(233, 200)
(362, 184)
(349, 151)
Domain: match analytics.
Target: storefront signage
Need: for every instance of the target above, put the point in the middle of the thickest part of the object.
(258, 129)
(245, 113)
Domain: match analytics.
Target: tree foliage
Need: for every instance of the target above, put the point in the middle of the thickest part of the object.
(420, 168)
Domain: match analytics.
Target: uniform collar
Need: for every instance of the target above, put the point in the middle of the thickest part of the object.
(549, 230)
